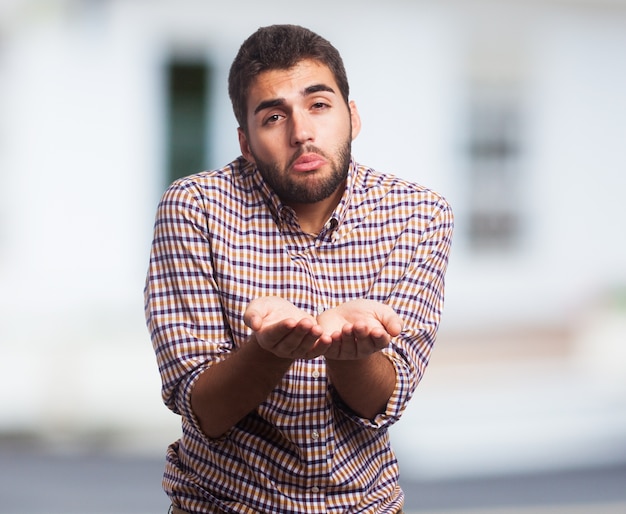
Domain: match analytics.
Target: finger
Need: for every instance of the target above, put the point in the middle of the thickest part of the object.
(253, 320)
(320, 347)
(379, 341)
(253, 315)
(301, 338)
(391, 321)
(377, 334)
(271, 337)
(348, 347)
(368, 340)
(361, 330)
(333, 350)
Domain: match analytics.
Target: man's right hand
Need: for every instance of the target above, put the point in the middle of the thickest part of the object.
(281, 328)
(281, 334)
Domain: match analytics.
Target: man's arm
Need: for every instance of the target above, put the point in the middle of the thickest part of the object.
(366, 378)
(227, 391)
(363, 377)
(364, 385)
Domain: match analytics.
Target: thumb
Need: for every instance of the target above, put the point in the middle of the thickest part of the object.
(391, 321)
(253, 317)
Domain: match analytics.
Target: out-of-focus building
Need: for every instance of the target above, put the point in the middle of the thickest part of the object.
(514, 110)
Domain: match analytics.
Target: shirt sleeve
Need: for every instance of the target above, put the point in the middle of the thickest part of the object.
(417, 296)
(182, 305)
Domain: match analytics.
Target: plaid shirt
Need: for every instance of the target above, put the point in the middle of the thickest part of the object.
(223, 238)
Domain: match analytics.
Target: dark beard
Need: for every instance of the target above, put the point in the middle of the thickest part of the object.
(295, 192)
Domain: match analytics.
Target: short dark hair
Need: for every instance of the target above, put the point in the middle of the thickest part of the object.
(279, 47)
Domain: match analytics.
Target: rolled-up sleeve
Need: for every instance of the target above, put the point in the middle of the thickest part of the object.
(417, 297)
(182, 305)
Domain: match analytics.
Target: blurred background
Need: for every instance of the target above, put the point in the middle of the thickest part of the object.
(514, 110)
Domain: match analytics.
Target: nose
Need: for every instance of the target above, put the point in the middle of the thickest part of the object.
(302, 129)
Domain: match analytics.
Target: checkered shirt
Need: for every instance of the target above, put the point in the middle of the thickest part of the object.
(223, 238)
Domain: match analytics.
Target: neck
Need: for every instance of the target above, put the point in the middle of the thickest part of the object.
(313, 216)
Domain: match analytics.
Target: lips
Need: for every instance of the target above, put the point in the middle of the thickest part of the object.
(308, 162)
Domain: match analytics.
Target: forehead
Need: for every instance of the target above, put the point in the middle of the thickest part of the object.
(284, 83)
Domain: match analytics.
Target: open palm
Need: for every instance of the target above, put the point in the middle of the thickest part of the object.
(283, 329)
(359, 328)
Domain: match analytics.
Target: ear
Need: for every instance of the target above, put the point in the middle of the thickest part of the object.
(355, 119)
(244, 146)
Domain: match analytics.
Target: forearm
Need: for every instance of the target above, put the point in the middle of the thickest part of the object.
(229, 390)
(364, 385)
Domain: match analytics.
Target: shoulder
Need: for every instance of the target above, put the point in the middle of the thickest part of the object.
(230, 182)
(233, 172)
(394, 190)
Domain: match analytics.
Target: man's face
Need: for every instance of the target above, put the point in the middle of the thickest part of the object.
(300, 132)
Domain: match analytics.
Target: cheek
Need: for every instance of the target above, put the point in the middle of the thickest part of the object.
(339, 129)
(268, 148)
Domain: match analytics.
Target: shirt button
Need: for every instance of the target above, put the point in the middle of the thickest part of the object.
(320, 309)
(315, 434)
(316, 374)
(315, 489)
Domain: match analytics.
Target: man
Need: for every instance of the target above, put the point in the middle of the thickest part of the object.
(293, 298)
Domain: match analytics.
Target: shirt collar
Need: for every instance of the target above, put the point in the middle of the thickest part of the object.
(284, 215)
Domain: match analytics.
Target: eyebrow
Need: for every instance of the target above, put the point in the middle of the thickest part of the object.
(277, 102)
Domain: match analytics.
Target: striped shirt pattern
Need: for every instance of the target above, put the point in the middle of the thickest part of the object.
(222, 238)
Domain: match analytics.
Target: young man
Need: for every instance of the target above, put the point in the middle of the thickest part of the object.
(293, 298)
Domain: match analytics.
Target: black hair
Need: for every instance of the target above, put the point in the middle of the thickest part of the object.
(279, 47)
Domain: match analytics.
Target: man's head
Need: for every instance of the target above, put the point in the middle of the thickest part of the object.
(279, 47)
(296, 124)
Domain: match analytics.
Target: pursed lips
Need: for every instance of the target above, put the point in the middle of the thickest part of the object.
(308, 162)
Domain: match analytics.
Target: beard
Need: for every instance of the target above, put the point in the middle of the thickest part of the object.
(308, 188)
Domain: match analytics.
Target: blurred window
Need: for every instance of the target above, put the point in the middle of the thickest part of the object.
(187, 118)
(494, 156)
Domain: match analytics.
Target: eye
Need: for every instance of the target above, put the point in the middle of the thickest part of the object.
(272, 118)
(319, 106)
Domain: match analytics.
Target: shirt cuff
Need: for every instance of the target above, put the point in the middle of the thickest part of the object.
(398, 400)
(183, 402)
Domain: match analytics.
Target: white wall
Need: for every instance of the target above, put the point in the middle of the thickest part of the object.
(82, 167)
